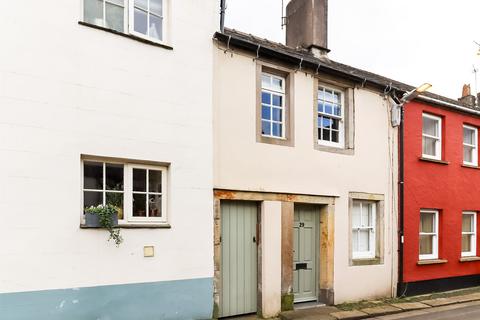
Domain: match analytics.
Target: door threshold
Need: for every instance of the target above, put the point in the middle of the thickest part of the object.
(307, 305)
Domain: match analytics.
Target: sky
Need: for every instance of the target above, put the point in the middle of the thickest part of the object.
(413, 41)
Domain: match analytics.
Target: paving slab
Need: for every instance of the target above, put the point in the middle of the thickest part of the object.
(380, 311)
(349, 315)
(409, 306)
(316, 313)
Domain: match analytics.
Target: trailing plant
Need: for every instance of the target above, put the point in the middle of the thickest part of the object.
(105, 214)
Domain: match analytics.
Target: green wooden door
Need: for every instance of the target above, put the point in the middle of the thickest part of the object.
(239, 258)
(305, 253)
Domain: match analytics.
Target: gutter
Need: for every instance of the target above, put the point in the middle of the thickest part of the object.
(448, 104)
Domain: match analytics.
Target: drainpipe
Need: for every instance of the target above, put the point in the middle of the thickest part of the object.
(222, 15)
(401, 206)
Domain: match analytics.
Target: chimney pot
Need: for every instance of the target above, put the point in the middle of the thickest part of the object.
(307, 25)
(467, 97)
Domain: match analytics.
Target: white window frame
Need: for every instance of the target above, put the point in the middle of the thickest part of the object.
(273, 91)
(128, 20)
(128, 217)
(371, 253)
(341, 118)
(473, 234)
(434, 254)
(131, 22)
(438, 144)
(474, 146)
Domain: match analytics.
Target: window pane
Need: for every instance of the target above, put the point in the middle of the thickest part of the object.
(335, 136)
(336, 97)
(337, 110)
(266, 128)
(93, 175)
(467, 223)
(276, 130)
(139, 180)
(430, 126)
(468, 136)
(92, 198)
(326, 135)
(335, 124)
(320, 106)
(266, 98)
(155, 181)
(93, 12)
(427, 222)
(277, 114)
(355, 240)
(426, 244)
(466, 243)
(114, 17)
(141, 4)
(328, 96)
(266, 113)
(155, 206)
(356, 214)
(277, 84)
(366, 215)
(328, 108)
(429, 146)
(266, 81)
(467, 154)
(139, 203)
(156, 6)
(114, 176)
(119, 2)
(115, 199)
(326, 122)
(140, 21)
(363, 240)
(155, 29)
(321, 94)
(277, 100)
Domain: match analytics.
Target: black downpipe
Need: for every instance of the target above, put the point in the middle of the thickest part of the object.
(401, 287)
(222, 15)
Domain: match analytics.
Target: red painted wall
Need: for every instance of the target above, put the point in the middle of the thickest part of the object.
(449, 188)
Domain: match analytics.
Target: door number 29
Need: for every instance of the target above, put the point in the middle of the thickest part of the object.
(302, 224)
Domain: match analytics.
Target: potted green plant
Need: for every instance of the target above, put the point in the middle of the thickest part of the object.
(104, 216)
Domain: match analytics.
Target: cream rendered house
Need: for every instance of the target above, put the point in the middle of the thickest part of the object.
(99, 106)
(304, 173)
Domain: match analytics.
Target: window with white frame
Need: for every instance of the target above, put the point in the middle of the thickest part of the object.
(469, 234)
(330, 122)
(470, 145)
(273, 106)
(138, 191)
(142, 18)
(363, 229)
(428, 240)
(431, 137)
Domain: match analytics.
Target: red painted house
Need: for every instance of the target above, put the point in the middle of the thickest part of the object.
(441, 195)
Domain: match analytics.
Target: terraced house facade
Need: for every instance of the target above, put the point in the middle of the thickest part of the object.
(94, 111)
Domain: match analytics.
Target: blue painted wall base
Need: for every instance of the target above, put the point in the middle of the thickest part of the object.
(183, 299)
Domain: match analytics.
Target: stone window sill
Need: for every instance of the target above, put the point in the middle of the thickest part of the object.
(126, 35)
(469, 259)
(366, 262)
(470, 166)
(433, 261)
(433, 160)
(135, 226)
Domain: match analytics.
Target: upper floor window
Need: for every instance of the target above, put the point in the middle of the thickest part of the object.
(273, 106)
(470, 146)
(431, 137)
(138, 191)
(363, 229)
(469, 234)
(142, 18)
(428, 244)
(330, 124)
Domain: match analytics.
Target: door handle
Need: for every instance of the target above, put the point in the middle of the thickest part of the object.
(254, 239)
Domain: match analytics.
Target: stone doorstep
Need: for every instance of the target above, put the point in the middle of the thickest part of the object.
(381, 311)
(409, 306)
(349, 315)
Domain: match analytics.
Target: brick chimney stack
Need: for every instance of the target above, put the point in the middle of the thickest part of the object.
(467, 97)
(307, 25)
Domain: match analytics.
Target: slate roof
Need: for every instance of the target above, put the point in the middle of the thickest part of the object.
(274, 50)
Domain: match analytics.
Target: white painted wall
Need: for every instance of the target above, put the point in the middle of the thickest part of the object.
(271, 258)
(243, 164)
(67, 90)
